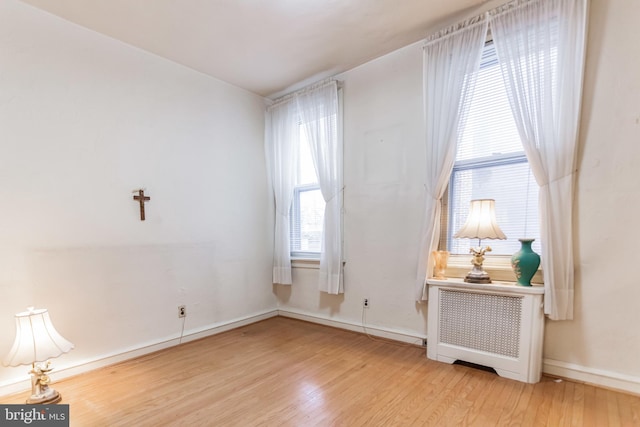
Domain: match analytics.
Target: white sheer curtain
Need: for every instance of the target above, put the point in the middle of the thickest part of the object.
(541, 47)
(281, 147)
(451, 60)
(319, 114)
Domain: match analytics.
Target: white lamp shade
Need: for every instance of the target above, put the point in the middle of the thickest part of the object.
(36, 339)
(481, 223)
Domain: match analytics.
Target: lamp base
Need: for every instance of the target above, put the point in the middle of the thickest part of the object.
(477, 275)
(41, 393)
(475, 278)
(49, 398)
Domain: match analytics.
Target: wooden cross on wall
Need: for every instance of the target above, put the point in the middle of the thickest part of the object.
(141, 198)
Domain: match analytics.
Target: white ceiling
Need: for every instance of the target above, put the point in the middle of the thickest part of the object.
(264, 46)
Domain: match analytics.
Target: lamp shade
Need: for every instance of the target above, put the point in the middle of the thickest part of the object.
(36, 339)
(481, 223)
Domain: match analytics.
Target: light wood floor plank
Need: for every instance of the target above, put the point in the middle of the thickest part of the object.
(478, 414)
(629, 410)
(602, 406)
(577, 405)
(555, 405)
(284, 372)
(612, 409)
(461, 405)
(590, 408)
(519, 416)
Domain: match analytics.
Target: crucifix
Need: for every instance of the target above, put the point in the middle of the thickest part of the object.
(141, 198)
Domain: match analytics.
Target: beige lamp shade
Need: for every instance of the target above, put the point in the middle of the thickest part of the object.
(481, 222)
(36, 339)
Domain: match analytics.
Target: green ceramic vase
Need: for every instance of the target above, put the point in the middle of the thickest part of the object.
(525, 262)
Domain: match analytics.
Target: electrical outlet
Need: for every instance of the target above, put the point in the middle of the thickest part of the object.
(182, 311)
(365, 303)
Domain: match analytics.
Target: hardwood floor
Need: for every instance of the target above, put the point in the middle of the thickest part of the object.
(284, 372)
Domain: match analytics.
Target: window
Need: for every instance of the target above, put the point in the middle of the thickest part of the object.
(491, 164)
(307, 208)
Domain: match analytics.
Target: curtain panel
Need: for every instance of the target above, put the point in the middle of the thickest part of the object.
(450, 63)
(541, 47)
(281, 149)
(319, 115)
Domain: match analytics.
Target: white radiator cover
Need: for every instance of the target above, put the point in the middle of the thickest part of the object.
(499, 325)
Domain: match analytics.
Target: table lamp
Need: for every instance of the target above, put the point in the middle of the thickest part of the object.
(481, 224)
(36, 342)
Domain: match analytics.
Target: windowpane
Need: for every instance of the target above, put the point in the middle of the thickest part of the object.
(306, 170)
(515, 191)
(489, 129)
(307, 232)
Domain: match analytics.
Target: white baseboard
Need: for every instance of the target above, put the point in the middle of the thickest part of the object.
(81, 367)
(598, 377)
(396, 335)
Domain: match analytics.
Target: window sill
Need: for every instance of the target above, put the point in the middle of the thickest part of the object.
(308, 263)
(498, 267)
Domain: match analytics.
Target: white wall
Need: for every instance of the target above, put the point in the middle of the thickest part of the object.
(383, 199)
(84, 120)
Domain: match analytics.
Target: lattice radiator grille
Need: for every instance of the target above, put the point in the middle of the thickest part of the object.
(484, 322)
